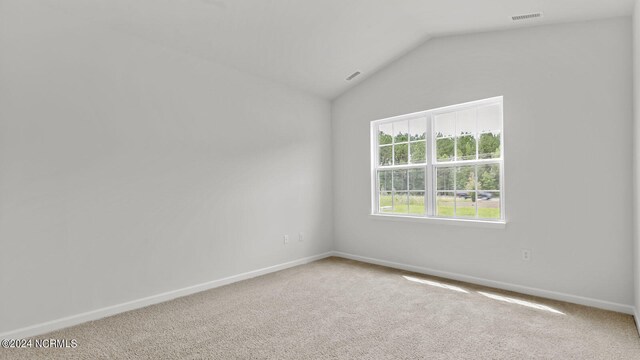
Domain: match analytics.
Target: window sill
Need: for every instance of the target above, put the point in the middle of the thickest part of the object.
(500, 224)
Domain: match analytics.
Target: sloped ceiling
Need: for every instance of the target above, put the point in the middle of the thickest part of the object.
(313, 45)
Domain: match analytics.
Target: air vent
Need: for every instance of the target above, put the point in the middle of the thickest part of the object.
(350, 77)
(526, 16)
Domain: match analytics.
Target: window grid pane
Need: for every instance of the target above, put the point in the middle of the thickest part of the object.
(384, 134)
(489, 205)
(385, 155)
(400, 154)
(445, 204)
(385, 201)
(400, 131)
(417, 202)
(418, 152)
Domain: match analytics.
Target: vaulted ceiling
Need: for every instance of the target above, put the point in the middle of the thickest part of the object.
(313, 45)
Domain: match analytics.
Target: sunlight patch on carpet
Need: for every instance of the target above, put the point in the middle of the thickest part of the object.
(437, 284)
(520, 302)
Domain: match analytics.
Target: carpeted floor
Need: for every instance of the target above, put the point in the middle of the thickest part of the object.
(342, 309)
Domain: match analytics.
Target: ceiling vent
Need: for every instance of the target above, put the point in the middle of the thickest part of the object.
(526, 16)
(350, 77)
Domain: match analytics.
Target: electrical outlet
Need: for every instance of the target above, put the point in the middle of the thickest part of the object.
(526, 255)
(300, 237)
(286, 239)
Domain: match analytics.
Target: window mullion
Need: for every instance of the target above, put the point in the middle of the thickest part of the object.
(455, 190)
(393, 150)
(429, 191)
(393, 191)
(475, 181)
(455, 138)
(477, 138)
(408, 147)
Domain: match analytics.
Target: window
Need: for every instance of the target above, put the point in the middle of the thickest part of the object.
(442, 163)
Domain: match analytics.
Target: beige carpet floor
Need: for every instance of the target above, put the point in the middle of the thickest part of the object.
(342, 309)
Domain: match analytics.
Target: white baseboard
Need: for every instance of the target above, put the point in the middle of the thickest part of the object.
(57, 324)
(601, 304)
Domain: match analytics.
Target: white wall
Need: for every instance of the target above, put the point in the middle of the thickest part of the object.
(568, 140)
(129, 169)
(636, 153)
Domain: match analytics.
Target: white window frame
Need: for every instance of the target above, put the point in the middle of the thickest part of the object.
(430, 165)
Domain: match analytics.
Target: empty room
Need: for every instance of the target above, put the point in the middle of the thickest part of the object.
(319, 179)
